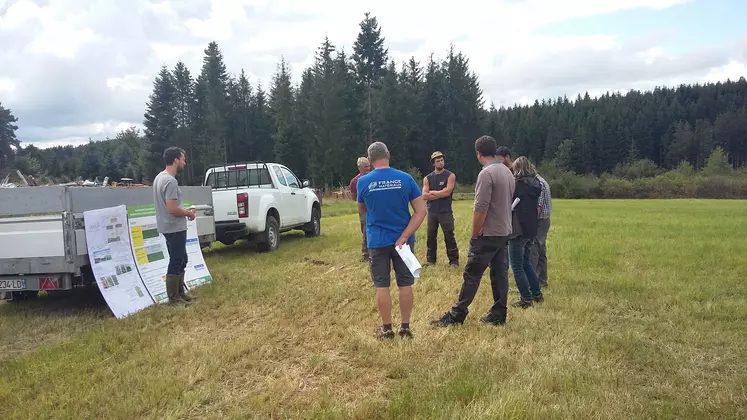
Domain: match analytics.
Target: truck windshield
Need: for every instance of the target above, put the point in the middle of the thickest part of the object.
(235, 178)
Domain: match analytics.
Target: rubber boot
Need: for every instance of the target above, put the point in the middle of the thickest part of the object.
(183, 290)
(173, 290)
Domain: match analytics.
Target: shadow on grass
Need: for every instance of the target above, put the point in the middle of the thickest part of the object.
(244, 246)
(79, 301)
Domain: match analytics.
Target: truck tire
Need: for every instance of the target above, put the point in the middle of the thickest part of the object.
(271, 237)
(314, 227)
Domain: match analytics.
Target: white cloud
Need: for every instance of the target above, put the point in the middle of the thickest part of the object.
(73, 70)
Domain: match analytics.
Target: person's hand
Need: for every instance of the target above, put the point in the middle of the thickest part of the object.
(400, 242)
(191, 215)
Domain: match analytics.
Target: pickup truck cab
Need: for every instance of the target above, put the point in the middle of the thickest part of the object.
(258, 201)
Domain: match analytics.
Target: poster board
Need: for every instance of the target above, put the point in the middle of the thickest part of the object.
(149, 249)
(112, 263)
(152, 255)
(196, 273)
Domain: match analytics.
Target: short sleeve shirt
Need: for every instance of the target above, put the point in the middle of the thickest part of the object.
(387, 193)
(166, 187)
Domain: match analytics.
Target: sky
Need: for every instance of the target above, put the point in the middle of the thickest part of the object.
(73, 70)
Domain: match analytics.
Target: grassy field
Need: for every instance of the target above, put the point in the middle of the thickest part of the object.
(645, 317)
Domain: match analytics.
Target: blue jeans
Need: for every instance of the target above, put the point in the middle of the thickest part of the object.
(176, 243)
(520, 249)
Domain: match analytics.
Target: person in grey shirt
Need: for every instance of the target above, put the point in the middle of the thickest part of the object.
(491, 229)
(171, 222)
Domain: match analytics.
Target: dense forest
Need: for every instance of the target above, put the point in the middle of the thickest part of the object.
(320, 124)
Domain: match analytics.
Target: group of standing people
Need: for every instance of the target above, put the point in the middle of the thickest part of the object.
(510, 222)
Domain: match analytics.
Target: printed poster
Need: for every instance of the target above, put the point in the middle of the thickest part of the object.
(152, 255)
(196, 274)
(110, 254)
(149, 249)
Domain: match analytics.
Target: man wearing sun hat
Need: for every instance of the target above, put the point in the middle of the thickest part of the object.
(438, 187)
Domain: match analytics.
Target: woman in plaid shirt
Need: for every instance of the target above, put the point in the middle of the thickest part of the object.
(539, 250)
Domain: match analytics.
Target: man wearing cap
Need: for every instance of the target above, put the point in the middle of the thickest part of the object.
(438, 188)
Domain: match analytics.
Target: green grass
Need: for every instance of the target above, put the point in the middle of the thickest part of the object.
(645, 317)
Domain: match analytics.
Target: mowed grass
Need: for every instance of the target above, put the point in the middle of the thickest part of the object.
(645, 317)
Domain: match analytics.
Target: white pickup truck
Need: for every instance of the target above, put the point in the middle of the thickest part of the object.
(258, 201)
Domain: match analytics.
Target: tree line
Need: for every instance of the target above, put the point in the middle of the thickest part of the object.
(319, 125)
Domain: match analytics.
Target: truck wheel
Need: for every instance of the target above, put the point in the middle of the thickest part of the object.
(271, 237)
(314, 228)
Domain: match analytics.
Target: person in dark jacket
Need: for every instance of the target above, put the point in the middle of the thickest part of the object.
(528, 190)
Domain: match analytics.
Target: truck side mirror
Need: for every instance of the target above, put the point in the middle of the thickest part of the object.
(305, 183)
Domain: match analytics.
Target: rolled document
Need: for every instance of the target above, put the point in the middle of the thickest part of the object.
(410, 260)
(516, 201)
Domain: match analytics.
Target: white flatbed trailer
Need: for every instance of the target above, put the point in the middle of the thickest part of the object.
(43, 239)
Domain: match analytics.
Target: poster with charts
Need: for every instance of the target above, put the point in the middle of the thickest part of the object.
(196, 274)
(112, 263)
(152, 255)
(149, 249)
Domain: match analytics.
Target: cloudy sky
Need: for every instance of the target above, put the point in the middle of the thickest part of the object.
(77, 69)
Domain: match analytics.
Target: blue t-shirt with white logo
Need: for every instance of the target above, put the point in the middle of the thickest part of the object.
(387, 193)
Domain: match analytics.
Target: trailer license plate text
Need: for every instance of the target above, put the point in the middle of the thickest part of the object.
(12, 284)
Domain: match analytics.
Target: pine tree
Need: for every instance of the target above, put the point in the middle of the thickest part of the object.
(212, 109)
(370, 58)
(9, 143)
(305, 124)
(160, 124)
(390, 118)
(325, 118)
(183, 113)
(464, 125)
(289, 147)
(240, 119)
(413, 118)
(262, 127)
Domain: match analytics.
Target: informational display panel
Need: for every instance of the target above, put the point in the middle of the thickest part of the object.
(112, 263)
(149, 249)
(152, 255)
(196, 274)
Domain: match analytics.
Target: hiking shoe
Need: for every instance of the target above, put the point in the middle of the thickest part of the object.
(405, 332)
(447, 319)
(384, 334)
(538, 299)
(521, 303)
(491, 318)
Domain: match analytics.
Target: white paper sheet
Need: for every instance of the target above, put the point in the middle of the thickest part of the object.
(112, 262)
(196, 273)
(149, 249)
(410, 260)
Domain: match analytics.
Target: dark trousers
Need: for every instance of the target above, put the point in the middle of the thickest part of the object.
(485, 252)
(446, 221)
(176, 243)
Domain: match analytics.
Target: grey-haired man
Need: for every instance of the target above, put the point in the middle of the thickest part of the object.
(364, 167)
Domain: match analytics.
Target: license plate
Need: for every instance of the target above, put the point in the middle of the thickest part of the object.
(17, 284)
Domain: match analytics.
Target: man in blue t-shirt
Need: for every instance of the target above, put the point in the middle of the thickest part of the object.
(384, 197)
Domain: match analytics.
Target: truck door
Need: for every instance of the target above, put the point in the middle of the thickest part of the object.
(287, 213)
(298, 197)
